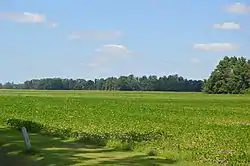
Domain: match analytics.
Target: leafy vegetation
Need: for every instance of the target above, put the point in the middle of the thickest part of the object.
(232, 75)
(181, 126)
(123, 83)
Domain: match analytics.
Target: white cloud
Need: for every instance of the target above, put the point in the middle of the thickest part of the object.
(227, 25)
(114, 49)
(27, 17)
(216, 46)
(238, 8)
(94, 35)
(108, 54)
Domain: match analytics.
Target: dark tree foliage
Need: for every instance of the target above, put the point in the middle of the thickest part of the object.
(123, 83)
(231, 76)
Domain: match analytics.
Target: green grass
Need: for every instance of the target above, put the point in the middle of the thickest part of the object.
(194, 126)
(61, 152)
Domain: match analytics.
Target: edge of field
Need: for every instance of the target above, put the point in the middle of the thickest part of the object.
(49, 150)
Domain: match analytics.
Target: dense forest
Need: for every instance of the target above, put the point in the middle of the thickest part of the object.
(123, 83)
(231, 76)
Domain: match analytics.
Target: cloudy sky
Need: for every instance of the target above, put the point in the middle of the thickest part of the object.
(93, 39)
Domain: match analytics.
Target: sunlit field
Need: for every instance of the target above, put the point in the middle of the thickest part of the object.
(183, 126)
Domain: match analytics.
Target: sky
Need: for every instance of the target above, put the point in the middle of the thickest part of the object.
(93, 39)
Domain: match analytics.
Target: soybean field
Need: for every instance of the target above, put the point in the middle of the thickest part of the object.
(195, 127)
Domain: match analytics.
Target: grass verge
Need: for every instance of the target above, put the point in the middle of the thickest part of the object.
(48, 150)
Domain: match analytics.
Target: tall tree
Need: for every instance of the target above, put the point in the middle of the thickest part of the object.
(231, 75)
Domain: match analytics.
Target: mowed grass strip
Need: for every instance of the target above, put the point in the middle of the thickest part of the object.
(197, 127)
(47, 150)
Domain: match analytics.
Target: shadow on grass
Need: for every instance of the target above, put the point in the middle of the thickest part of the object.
(56, 151)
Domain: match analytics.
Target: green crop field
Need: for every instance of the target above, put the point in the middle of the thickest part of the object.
(183, 126)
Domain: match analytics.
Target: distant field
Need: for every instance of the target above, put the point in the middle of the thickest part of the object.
(195, 126)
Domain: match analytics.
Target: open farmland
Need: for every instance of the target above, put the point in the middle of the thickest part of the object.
(182, 126)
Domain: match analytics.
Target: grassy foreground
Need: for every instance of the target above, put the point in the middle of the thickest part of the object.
(56, 151)
(190, 127)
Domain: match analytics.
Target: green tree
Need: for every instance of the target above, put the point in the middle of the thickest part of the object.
(123, 83)
(231, 76)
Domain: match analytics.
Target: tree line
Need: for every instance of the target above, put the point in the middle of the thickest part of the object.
(122, 83)
(231, 76)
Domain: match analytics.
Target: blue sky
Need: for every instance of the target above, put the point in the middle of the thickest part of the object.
(93, 39)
